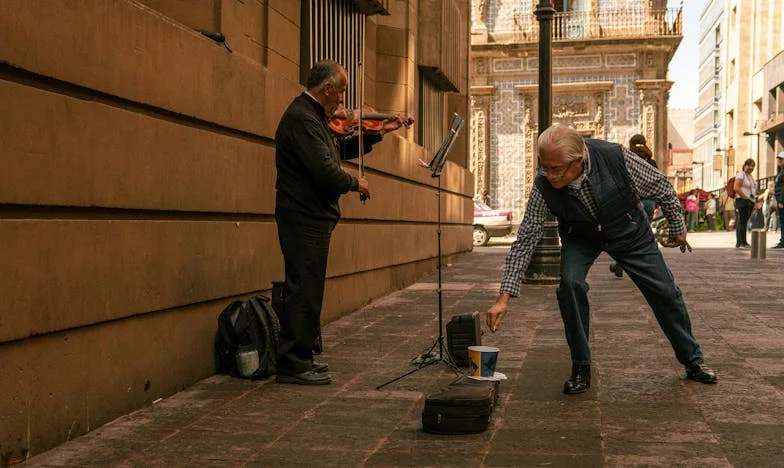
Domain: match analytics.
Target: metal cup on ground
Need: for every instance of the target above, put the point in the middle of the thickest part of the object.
(247, 361)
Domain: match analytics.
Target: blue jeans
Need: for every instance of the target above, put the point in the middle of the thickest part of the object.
(692, 220)
(650, 207)
(645, 266)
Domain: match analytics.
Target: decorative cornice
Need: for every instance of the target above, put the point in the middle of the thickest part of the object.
(569, 88)
(653, 84)
(482, 90)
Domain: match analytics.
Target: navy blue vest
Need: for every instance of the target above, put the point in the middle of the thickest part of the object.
(621, 222)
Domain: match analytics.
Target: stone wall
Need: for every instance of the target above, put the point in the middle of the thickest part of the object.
(137, 197)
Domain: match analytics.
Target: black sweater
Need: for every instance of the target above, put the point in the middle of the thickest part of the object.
(310, 179)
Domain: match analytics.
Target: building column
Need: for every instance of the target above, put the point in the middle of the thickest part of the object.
(479, 21)
(480, 141)
(653, 115)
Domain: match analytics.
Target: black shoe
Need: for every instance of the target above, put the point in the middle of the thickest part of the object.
(320, 367)
(701, 373)
(580, 381)
(778, 246)
(304, 378)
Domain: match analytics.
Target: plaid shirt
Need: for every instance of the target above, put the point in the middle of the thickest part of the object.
(646, 181)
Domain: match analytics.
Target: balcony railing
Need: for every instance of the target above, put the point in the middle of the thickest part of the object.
(622, 23)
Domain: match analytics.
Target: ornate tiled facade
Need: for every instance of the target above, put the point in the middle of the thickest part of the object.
(605, 89)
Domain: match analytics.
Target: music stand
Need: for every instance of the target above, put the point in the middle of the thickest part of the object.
(436, 165)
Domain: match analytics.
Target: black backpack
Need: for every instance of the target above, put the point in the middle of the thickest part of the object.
(247, 339)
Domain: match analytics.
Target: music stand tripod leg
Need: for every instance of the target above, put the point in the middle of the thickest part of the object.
(436, 165)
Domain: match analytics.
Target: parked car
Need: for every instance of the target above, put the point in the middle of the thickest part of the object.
(490, 223)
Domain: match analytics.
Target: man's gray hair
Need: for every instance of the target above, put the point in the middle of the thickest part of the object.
(563, 139)
(323, 72)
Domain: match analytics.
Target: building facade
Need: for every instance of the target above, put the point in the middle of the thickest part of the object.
(740, 76)
(716, 159)
(138, 185)
(768, 82)
(683, 173)
(610, 61)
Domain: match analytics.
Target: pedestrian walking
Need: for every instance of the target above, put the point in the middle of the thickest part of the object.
(692, 208)
(768, 199)
(727, 205)
(745, 196)
(593, 188)
(778, 190)
(710, 212)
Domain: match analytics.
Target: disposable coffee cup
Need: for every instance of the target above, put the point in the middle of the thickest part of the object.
(247, 361)
(482, 360)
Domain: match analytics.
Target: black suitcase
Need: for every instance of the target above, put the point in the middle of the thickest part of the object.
(462, 407)
(463, 331)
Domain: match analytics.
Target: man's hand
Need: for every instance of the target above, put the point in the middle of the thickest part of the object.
(496, 313)
(395, 123)
(363, 188)
(683, 244)
(781, 205)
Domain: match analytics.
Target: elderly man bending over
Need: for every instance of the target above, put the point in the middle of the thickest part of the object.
(594, 188)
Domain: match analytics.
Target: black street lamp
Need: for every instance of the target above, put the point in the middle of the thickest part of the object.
(545, 266)
(726, 159)
(702, 173)
(756, 134)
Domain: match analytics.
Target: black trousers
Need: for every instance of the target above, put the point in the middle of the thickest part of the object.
(743, 210)
(305, 247)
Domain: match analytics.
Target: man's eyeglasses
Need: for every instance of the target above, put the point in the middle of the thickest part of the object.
(557, 173)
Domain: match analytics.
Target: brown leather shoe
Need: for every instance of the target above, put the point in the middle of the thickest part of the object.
(580, 381)
(702, 374)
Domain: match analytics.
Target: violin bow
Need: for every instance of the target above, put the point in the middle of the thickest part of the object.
(362, 196)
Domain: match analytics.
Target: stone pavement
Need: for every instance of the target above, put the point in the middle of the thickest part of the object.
(640, 410)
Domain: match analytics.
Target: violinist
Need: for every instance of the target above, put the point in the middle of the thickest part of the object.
(310, 181)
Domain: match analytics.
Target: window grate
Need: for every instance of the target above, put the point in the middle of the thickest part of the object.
(333, 30)
(431, 115)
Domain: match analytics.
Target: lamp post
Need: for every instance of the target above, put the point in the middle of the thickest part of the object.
(702, 172)
(545, 266)
(757, 134)
(726, 159)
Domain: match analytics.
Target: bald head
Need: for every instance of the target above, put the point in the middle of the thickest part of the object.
(560, 146)
(562, 140)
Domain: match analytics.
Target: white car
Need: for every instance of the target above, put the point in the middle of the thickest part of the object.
(490, 223)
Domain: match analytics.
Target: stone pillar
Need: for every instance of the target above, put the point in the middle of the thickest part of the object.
(480, 141)
(530, 135)
(653, 115)
(479, 21)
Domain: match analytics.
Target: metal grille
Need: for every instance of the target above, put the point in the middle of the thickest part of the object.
(431, 116)
(334, 30)
(603, 23)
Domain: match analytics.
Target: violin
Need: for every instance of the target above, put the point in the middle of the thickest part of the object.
(345, 122)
